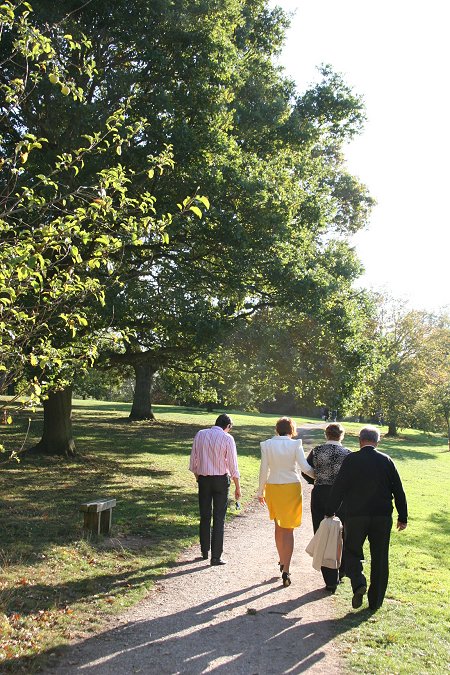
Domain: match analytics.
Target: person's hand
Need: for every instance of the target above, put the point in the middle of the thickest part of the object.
(237, 494)
(400, 525)
(262, 501)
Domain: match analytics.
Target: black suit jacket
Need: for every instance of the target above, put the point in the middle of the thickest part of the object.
(365, 485)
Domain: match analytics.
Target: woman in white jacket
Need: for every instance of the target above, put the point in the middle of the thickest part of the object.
(280, 488)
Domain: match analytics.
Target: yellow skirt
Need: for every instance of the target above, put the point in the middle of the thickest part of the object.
(284, 502)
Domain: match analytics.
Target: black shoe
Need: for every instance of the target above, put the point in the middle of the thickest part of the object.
(286, 578)
(204, 556)
(331, 589)
(358, 597)
(218, 561)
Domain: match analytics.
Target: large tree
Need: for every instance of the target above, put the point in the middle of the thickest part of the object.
(277, 184)
(66, 221)
(404, 344)
(431, 411)
(269, 160)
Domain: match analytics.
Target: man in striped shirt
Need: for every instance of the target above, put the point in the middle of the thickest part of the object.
(214, 463)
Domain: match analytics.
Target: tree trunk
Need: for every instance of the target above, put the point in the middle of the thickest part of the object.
(142, 399)
(447, 419)
(392, 429)
(57, 434)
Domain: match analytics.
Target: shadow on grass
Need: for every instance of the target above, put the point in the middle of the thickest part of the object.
(116, 436)
(157, 409)
(158, 438)
(396, 449)
(55, 596)
(190, 636)
(48, 494)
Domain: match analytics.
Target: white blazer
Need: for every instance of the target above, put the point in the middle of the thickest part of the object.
(326, 545)
(281, 459)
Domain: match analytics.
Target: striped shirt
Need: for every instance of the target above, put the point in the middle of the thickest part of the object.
(214, 453)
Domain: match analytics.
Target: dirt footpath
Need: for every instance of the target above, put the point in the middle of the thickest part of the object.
(233, 619)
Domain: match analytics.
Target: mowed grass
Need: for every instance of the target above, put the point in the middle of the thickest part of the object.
(57, 585)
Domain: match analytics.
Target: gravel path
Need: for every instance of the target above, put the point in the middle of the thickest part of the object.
(233, 619)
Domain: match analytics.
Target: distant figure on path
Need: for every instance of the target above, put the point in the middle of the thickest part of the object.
(214, 463)
(364, 486)
(280, 487)
(326, 460)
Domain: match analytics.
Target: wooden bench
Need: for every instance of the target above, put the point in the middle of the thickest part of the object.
(98, 515)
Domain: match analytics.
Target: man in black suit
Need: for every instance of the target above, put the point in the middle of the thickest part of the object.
(365, 485)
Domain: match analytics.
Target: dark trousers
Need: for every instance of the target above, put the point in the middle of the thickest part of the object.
(212, 500)
(319, 498)
(377, 529)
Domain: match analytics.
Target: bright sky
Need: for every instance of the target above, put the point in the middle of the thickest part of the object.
(395, 53)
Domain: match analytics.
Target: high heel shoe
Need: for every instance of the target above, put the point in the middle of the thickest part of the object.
(286, 578)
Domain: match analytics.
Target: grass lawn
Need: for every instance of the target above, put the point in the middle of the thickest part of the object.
(56, 584)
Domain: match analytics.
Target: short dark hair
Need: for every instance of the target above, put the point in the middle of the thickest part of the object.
(286, 426)
(370, 434)
(224, 421)
(334, 431)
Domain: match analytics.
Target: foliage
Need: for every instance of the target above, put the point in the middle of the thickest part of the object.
(432, 409)
(105, 385)
(409, 378)
(69, 213)
(269, 160)
(279, 353)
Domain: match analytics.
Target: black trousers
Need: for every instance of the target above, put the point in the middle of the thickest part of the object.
(213, 501)
(377, 529)
(319, 498)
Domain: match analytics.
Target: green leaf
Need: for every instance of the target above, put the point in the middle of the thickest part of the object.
(204, 201)
(22, 273)
(196, 210)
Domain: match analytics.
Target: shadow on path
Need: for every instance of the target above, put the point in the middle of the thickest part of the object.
(202, 639)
